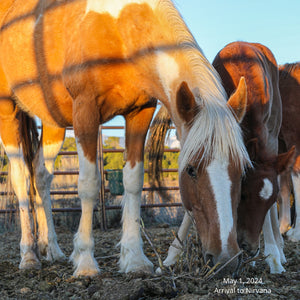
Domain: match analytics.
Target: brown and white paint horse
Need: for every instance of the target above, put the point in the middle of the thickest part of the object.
(261, 123)
(17, 135)
(289, 85)
(82, 62)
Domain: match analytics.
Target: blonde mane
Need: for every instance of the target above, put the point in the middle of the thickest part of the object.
(214, 133)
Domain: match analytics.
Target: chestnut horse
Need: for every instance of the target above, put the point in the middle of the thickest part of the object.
(82, 62)
(261, 123)
(289, 85)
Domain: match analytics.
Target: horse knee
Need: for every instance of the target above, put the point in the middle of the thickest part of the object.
(133, 178)
(88, 187)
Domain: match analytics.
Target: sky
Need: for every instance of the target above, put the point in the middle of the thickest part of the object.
(274, 23)
(215, 23)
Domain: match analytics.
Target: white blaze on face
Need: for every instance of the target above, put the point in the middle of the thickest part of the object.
(267, 189)
(168, 70)
(221, 185)
(114, 7)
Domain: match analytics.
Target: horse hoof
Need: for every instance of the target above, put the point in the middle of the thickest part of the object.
(294, 234)
(30, 262)
(275, 265)
(55, 254)
(138, 269)
(85, 264)
(87, 269)
(86, 272)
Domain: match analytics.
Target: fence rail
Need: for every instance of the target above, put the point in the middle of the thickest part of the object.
(104, 189)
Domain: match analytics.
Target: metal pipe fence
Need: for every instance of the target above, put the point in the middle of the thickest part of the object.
(101, 208)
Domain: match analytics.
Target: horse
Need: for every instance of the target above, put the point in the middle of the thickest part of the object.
(82, 62)
(260, 125)
(20, 139)
(289, 85)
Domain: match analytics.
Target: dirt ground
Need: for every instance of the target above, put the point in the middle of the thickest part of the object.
(186, 281)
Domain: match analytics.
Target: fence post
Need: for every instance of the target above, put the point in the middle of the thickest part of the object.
(102, 189)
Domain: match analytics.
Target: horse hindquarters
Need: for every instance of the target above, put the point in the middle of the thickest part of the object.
(20, 176)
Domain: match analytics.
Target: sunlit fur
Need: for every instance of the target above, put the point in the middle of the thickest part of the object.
(214, 129)
(217, 134)
(83, 64)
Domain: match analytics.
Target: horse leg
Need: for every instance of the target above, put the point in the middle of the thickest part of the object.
(175, 248)
(276, 231)
(271, 247)
(294, 233)
(284, 203)
(9, 128)
(132, 258)
(51, 143)
(86, 124)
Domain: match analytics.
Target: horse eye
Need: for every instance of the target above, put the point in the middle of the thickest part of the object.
(191, 171)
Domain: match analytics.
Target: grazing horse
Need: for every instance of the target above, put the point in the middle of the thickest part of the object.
(289, 85)
(82, 62)
(260, 126)
(20, 140)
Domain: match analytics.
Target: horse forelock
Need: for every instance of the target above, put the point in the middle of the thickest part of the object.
(214, 134)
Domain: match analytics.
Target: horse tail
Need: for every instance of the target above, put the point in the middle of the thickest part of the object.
(30, 141)
(155, 149)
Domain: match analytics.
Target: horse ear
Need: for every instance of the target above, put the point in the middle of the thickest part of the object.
(285, 160)
(238, 100)
(186, 104)
(252, 148)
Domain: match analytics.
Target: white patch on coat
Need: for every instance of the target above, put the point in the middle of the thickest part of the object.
(168, 71)
(19, 173)
(114, 7)
(221, 185)
(267, 189)
(89, 176)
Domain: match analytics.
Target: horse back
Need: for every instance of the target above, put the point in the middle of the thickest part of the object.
(257, 64)
(66, 51)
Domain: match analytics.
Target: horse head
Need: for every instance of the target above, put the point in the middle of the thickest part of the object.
(209, 180)
(260, 190)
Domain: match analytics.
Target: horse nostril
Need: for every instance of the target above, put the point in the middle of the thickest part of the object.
(209, 259)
